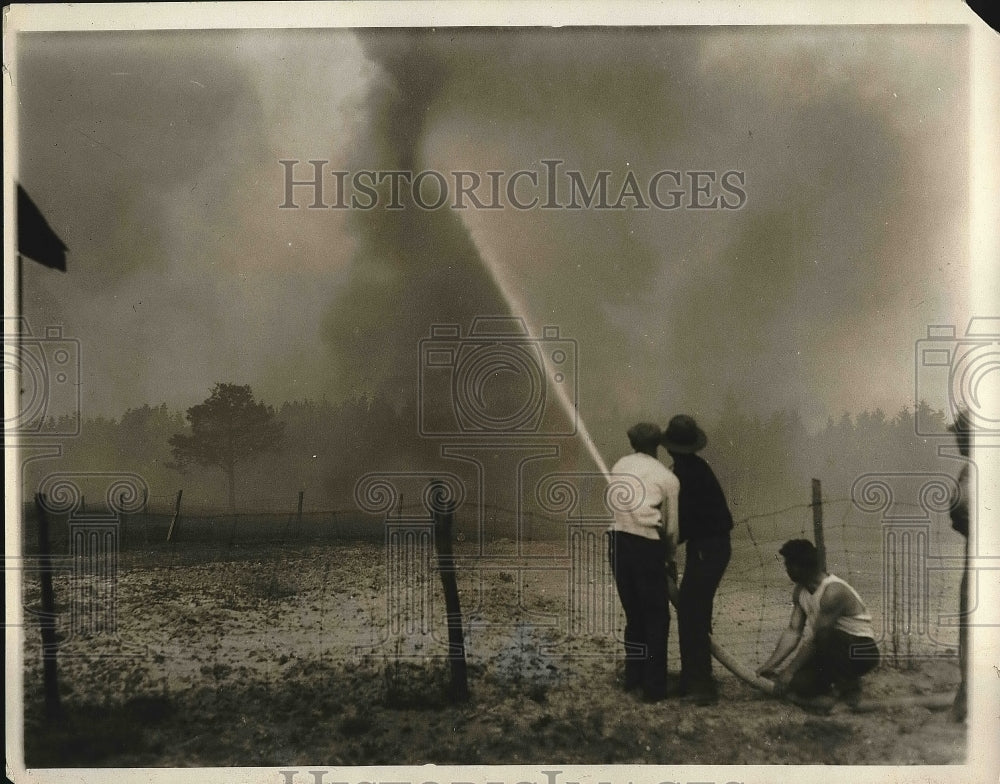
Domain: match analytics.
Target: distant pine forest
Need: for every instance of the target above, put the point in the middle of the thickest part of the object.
(326, 447)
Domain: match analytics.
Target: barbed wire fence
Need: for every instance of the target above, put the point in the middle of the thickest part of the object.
(908, 574)
(550, 570)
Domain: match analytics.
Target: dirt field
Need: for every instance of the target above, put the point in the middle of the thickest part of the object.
(311, 656)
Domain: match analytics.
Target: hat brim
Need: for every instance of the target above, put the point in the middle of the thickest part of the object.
(685, 449)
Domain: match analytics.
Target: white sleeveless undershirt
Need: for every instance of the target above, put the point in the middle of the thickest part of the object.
(857, 625)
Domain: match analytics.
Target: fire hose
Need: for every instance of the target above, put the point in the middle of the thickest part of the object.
(748, 676)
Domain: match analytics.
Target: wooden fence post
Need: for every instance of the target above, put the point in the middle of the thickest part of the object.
(177, 514)
(50, 645)
(443, 513)
(122, 524)
(817, 507)
(145, 517)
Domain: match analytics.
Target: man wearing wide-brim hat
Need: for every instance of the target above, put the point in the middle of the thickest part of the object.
(704, 522)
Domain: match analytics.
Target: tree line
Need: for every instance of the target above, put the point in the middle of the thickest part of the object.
(233, 451)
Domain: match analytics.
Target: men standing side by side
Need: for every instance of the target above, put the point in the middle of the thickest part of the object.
(641, 543)
(705, 523)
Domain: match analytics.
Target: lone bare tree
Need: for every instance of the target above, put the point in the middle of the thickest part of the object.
(230, 427)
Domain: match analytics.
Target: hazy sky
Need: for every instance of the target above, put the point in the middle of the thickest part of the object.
(155, 156)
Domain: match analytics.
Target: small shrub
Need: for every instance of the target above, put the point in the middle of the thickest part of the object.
(414, 685)
(354, 725)
(269, 587)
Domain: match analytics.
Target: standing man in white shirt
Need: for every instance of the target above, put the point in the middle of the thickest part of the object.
(642, 543)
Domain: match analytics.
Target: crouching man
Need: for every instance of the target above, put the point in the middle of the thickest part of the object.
(830, 633)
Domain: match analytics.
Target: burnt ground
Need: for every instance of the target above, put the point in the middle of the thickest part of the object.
(288, 658)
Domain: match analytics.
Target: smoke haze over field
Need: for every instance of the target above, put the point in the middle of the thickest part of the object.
(155, 157)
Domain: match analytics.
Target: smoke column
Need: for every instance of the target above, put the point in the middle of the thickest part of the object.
(771, 304)
(415, 268)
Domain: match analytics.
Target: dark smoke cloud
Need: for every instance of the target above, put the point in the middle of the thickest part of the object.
(849, 143)
(411, 268)
(156, 155)
(111, 127)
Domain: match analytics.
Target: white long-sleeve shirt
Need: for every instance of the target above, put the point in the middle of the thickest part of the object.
(643, 497)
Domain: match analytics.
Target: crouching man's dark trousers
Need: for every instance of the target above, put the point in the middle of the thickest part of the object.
(838, 661)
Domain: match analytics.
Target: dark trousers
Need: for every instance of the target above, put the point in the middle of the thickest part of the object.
(962, 695)
(641, 577)
(704, 566)
(838, 660)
